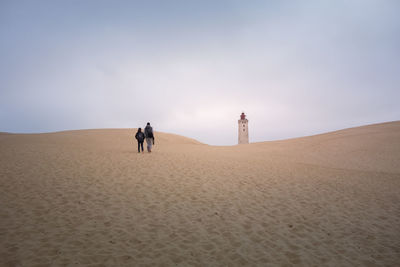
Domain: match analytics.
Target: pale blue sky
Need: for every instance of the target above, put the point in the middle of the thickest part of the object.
(191, 67)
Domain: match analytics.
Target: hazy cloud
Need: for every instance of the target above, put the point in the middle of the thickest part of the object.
(191, 67)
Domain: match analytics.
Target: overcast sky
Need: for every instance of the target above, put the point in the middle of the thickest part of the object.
(191, 67)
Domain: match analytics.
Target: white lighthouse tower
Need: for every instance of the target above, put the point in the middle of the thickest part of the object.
(243, 137)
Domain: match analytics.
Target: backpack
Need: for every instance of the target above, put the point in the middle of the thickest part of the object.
(140, 136)
(149, 132)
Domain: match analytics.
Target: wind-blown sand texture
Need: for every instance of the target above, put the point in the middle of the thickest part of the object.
(87, 198)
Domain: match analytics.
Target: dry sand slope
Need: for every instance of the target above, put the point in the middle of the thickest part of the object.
(87, 198)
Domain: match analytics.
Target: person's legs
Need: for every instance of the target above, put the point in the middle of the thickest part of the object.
(141, 144)
(148, 141)
(138, 146)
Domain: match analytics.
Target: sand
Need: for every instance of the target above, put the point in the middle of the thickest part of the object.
(87, 198)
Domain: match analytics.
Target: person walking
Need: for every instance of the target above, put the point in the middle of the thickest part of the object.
(140, 139)
(148, 132)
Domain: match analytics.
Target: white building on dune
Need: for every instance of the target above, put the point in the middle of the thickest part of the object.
(243, 136)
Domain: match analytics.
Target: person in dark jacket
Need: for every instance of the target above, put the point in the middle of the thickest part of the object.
(148, 132)
(140, 139)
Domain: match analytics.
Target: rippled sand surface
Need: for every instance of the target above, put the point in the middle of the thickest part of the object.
(87, 198)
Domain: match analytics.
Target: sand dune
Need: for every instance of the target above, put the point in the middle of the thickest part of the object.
(87, 198)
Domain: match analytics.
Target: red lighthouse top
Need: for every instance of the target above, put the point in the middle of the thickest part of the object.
(242, 117)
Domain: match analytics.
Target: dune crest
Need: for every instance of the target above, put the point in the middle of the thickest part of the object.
(367, 148)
